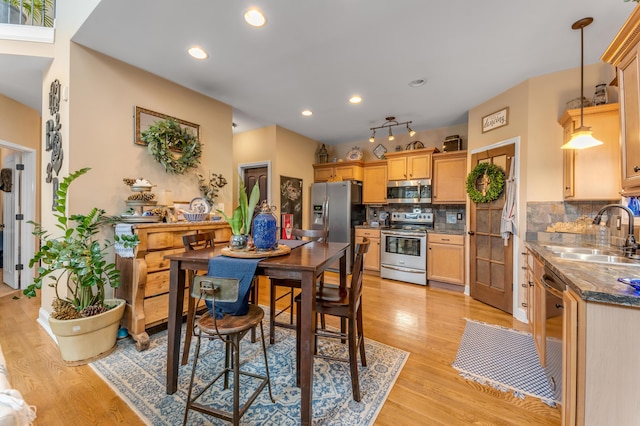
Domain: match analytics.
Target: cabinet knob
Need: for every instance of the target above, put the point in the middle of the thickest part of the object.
(636, 169)
(567, 187)
(471, 233)
(524, 305)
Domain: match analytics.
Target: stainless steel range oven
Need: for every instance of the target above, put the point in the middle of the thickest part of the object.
(403, 249)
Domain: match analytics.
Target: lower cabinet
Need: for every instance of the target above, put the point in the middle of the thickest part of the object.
(600, 363)
(372, 258)
(144, 278)
(445, 258)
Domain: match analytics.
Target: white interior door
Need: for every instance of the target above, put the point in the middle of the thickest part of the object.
(11, 240)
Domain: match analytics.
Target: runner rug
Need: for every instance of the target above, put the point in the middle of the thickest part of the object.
(139, 379)
(507, 360)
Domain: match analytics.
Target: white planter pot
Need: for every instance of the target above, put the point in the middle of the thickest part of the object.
(86, 339)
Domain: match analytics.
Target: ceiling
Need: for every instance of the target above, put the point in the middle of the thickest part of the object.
(316, 54)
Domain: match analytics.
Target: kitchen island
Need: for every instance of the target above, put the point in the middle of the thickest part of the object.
(601, 340)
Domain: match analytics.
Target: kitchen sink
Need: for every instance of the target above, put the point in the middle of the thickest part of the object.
(596, 258)
(578, 250)
(594, 255)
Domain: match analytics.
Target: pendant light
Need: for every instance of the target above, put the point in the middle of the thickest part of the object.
(582, 137)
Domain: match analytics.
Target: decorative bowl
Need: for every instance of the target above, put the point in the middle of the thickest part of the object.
(195, 217)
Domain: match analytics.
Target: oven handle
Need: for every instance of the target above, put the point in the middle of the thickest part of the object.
(399, 268)
(546, 279)
(403, 234)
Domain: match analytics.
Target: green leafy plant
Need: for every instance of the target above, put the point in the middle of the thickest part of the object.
(34, 9)
(77, 255)
(240, 220)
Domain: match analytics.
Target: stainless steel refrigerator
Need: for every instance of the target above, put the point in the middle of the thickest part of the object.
(337, 206)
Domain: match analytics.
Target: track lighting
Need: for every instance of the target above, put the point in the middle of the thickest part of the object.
(391, 122)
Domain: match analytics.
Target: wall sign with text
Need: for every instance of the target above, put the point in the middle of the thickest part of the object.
(494, 120)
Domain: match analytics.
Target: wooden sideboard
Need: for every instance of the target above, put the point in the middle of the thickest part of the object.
(144, 280)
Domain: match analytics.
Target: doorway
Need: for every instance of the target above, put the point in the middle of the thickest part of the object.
(491, 273)
(18, 207)
(257, 173)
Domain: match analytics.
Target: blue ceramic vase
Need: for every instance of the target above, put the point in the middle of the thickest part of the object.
(265, 230)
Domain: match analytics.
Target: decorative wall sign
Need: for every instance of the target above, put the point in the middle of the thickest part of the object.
(495, 120)
(145, 118)
(53, 139)
(291, 199)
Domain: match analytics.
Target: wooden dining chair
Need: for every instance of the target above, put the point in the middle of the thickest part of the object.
(230, 329)
(344, 304)
(319, 235)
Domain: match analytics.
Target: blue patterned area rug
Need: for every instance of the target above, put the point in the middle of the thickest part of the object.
(139, 379)
(505, 359)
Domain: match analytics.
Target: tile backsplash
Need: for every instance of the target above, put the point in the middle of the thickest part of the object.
(541, 214)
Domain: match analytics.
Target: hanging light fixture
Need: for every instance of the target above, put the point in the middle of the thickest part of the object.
(582, 137)
(391, 122)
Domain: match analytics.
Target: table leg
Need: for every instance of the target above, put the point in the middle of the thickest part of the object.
(307, 341)
(174, 326)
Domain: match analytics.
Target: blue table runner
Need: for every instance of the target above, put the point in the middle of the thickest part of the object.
(241, 269)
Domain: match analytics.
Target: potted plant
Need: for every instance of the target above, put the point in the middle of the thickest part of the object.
(240, 220)
(33, 8)
(84, 322)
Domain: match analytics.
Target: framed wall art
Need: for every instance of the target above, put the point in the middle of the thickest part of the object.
(291, 199)
(495, 120)
(145, 118)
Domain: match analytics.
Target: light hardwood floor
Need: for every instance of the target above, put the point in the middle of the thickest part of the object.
(426, 322)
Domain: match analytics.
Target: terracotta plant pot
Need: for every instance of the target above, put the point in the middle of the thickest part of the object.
(86, 339)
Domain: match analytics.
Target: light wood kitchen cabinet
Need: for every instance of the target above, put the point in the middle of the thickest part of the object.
(600, 363)
(372, 257)
(144, 278)
(374, 183)
(449, 176)
(410, 165)
(594, 173)
(343, 170)
(623, 54)
(445, 258)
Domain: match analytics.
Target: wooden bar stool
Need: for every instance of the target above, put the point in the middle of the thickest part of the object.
(344, 304)
(300, 234)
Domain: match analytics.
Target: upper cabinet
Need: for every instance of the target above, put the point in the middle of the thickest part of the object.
(594, 173)
(374, 184)
(449, 175)
(343, 170)
(623, 54)
(409, 165)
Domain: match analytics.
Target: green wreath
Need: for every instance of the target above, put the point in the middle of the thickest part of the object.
(164, 138)
(493, 179)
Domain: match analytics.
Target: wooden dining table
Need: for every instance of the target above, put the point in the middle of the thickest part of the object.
(303, 263)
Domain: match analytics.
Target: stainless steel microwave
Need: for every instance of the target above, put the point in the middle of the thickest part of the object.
(409, 191)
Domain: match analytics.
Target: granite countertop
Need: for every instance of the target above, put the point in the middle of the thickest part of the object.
(596, 282)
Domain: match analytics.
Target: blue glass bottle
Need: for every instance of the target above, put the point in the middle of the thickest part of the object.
(265, 230)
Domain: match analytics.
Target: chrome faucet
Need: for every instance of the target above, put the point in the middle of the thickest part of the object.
(630, 245)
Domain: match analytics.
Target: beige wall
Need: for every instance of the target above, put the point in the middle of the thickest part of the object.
(20, 125)
(103, 95)
(290, 154)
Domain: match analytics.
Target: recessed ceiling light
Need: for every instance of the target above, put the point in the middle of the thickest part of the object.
(255, 17)
(355, 99)
(307, 112)
(417, 83)
(198, 53)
